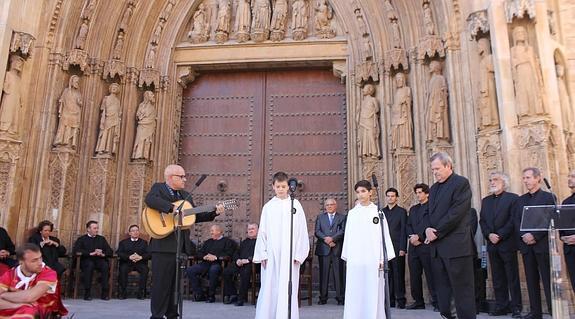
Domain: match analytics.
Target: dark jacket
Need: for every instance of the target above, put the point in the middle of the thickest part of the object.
(127, 247)
(50, 253)
(416, 224)
(6, 242)
(335, 231)
(448, 213)
(86, 244)
(160, 198)
(397, 221)
(538, 198)
(496, 217)
(246, 250)
(221, 248)
(568, 249)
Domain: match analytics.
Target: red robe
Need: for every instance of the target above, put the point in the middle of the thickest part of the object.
(45, 305)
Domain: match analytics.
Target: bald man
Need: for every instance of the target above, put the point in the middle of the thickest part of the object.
(162, 197)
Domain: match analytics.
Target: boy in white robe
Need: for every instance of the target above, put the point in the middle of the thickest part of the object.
(272, 251)
(363, 251)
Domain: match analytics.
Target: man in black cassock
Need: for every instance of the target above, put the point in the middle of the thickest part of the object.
(497, 226)
(449, 237)
(133, 255)
(568, 236)
(396, 220)
(7, 248)
(163, 251)
(95, 251)
(241, 264)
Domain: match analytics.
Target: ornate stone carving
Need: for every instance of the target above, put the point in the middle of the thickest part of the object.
(53, 22)
(489, 152)
(77, 57)
(300, 12)
(395, 31)
(322, 21)
(431, 46)
(487, 102)
(552, 22)
(157, 32)
(527, 78)
(243, 20)
(10, 150)
(279, 20)
(396, 59)
(261, 20)
(167, 11)
(340, 70)
(114, 68)
(366, 48)
(518, 9)
(368, 128)
(11, 105)
(23, 42)
(88, 9)
(151, 57)
(69, 113)
(138, 184)
(127, 15)
(149, 77)
(82, 35)
(533, 134)
(109, 134)
(133, 77)
(367, 71)
(200, 25)
(223, 21)
(405, 168)
(146, 116)
(401, 118)
(186, 75)
(477, 22)
(429, 26)
(437, 105)
(371, 166)
(360, 21)
(564, 99)
(118, 46)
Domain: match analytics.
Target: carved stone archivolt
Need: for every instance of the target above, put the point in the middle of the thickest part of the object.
(519, 9)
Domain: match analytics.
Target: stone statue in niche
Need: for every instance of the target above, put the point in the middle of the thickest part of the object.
(146, 118)
(564, 99)
(11, 98)
(279, 20)
(299, 19)
(127, 15)
(200, 26)
(157, 32)
(428, 22)
(223, 21)
(119, 46)
(109, 134)
(437, 112)
(80, 41)
(151, 57)
(366, 48)
(360, 22)
(526, 76)
(261, 20)
(88, 9)
(243, 20)
(323, 17)
(69, 112)
(487, 91)
(401, 119)
(395, 32)
(368, 128)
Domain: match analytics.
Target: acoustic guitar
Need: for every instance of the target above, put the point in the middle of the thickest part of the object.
(160, 225)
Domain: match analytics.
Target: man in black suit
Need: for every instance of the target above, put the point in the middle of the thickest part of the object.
(533, 245)
(449, 238)
(497, 226)
(241, 264)
(133, 255)
(7, 248)
(95, 251)
(329, 231)
(161, 197)
(396, 220)
(418, 256)
(568, 236)
(211, 253)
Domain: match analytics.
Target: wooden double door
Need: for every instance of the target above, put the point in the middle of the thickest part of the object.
(242, 127)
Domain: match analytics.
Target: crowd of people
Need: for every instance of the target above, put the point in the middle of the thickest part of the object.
(436, 237)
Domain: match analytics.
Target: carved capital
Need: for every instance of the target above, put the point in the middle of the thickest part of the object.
(77, 57)
(149, 77)
(9, 150)
(114, 68)
(519, 9)
(533, 134)
(340, 70)
(396, 59)
(367, 71)
(430, 46)
(477, 22)
(186, 75)
(489, 152)
(23, 42)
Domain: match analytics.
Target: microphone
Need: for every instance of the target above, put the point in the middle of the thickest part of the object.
(374, 181)
(292, 183)
(547, 183)
(201, 180)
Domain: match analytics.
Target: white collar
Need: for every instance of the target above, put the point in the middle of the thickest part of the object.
(23, 279)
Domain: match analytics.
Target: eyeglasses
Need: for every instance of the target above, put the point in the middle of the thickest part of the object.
(180, 176)
(329, 204)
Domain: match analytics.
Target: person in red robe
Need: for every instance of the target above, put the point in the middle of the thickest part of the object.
(31, 289)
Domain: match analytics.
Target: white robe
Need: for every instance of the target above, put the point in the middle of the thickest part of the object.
(363, 251)
(273, 245)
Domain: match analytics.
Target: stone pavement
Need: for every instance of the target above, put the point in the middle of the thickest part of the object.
(139, 309)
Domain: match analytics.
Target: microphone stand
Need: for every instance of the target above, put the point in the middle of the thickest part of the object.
(290, 290)
(385, 260)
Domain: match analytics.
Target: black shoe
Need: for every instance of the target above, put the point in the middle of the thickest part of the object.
(105, 297)
(392, 304)
(499, 312)
(322, 302)
(122, 296)
(415, 306)
(141, 295)
(233, 299)
(87, 297)
(199, 298)
(211, 299)
(227, 300)
(239, 303)
(516, 314)
(401, 306)
(435, 307)
(340, 303)
(531, 316)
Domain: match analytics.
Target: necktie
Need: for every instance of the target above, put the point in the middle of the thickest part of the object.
(330, 220)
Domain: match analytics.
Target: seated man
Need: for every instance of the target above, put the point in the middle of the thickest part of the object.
(133, 255)
(211, 253)
(31, 289)
(95, 251)
(242, 264)
(49, 245)
(6, 249)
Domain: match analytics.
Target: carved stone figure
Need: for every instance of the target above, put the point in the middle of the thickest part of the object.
(88, 9)
(401, 119)
(360, 22)
(366, 48)
(126, 16)
(157, 32)
(437, 112)
(487, 91)
(146, 118)
(200, 26)
(323, 17)
(279, 20)
(368, 124)
(261, 20)
(119, 46)
(243, 20)
(299, 19)
(564, 98)
(395, 32)
(80, 41)
(150, 57)
(428, 22)
(109, 134)
(526, 76)
(69, 112)
(223, 21)
(11, 98)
